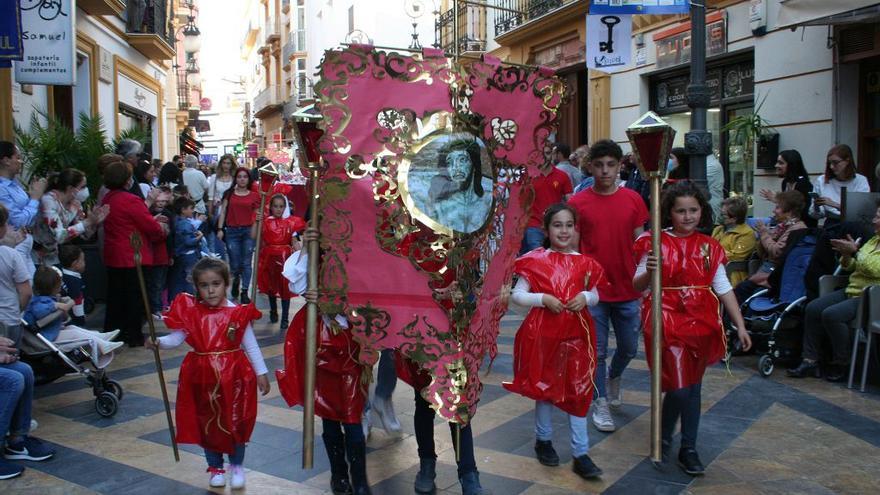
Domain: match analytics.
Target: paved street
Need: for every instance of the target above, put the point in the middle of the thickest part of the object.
(757, 435)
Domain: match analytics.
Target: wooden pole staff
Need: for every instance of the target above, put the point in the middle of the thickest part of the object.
(311, 310)
(136, 244)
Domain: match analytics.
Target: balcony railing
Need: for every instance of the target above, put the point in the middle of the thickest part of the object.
(267, 100)
(150, 29)
(183, 93)
(287, 51)
(525, 11)
(471, 29)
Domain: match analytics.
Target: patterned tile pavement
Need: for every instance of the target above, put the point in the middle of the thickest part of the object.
(757, 435)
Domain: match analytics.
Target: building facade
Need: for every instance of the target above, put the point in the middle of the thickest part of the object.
(124, 53)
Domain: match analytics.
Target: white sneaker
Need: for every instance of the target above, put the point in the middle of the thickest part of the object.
(157, 316)
(384, 410)
(34, 425)
(367, 425)
(237, 479)
(108, 335)
(602, 416)
(218, 479)
(615, 398)
(108, 347)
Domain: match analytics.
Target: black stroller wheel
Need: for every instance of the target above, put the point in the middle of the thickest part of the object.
(765, 365)
(106, 404)
(114, 388)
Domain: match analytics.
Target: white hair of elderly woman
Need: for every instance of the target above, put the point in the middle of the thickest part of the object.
(191, 161)
(128, 148)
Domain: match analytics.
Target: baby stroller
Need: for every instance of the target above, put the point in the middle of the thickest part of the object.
(50, 362)
(774, 317)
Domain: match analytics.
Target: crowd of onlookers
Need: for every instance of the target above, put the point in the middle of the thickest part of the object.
(167, 216)
(170, 215)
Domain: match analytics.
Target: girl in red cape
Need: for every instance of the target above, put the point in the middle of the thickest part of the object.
(217, 392)
(554, 354)
(694, 280)
(339, 393)
(277, 239)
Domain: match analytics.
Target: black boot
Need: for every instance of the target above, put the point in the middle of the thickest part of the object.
(470, 484)
(235, 284)
(690, 461)
(244, 297)
(425, 477)
(545, 453)
(357, 462)
(339, 482)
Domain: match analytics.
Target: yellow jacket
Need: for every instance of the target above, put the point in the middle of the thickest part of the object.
(739, 243)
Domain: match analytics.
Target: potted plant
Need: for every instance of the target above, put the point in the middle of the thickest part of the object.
(747, 132)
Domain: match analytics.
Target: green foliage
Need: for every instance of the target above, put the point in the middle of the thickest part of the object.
(53, 147)
(746, 129)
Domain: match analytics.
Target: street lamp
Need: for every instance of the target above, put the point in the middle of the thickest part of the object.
(192, 41)
(651, 140)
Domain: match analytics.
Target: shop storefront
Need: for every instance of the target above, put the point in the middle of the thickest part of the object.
(731, 80)
(138, 106)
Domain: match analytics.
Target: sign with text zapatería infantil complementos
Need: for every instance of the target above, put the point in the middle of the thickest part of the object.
(49, 37)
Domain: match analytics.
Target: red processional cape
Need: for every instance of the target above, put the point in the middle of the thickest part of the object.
(217, 390)
(276, 236)
(423, 203)
(554, 355)
(692, 333)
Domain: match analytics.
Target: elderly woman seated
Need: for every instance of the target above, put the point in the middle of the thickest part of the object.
(737, 238)
(774, 242)
(827, 318)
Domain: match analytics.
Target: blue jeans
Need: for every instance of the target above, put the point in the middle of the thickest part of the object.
(580, 439)
(215, 459)
(157, 280)
(240, 247)
(216, 246)
(625, 316)
(180, 279)
(16, 399)
(533, 239)
(386, 378)
(682, 403)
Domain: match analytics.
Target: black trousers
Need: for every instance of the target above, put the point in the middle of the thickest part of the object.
(125, 305)
(424, 425)
(683, 403)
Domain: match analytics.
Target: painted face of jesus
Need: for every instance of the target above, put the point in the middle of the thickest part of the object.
(458, 163)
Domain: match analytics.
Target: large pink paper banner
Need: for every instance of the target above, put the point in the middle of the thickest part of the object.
(423, 204)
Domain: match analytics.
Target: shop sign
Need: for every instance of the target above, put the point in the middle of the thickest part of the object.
(105, 65)
(11, 47)
(674, 45)
(608, 42)
(731, 81)
(253, 150)
(49, 39)
(137, 96)
(639, 7)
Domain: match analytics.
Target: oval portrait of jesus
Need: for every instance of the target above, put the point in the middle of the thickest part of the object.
(449, 181)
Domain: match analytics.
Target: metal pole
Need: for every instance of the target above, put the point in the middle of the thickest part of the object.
(698, 141)
(311, 327)
(136, 243)
(657, 322)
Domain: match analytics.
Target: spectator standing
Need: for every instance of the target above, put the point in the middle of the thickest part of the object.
(196, 183)
(186, 248)
(62, 218)
(22, 206)
(128, 215)
(238, 214)
(218, 184)
(157, 278)
(790, 168)
(551, 186)
(130, 150)
(715, 185)
(169, 175)
(144, 174)
(610, 218)
(561, 154)
(840, 171)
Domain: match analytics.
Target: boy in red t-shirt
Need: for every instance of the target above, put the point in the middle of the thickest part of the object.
(610, 217)
(551, 186)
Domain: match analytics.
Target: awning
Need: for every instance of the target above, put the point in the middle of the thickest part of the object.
(308, 112)
(820, 12)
